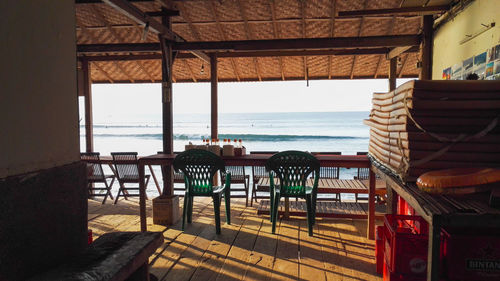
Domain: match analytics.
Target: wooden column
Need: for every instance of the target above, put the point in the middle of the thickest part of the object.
(167, 109)
(213, 97)
(393, 63)
(433, 252)
(87, 93)
(426, 48)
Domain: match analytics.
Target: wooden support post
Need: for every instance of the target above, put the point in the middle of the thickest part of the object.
(87, 92)
(167, 109)
(142, 198)
(371, 207)
(393, 63)
(433, 253)
(426, 49)
(213, 100)
(166, 206)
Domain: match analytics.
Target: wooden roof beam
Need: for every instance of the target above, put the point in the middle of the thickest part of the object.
(126, 8)
(139, 16)
(88, 49)
(400, 74)
(403, 11)
(300, 44)
(164, 12)
(395, 52)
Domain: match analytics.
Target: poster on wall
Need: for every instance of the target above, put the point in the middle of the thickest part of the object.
(456, 72)
(480, 65)
(447, 74)
(493, 66)
(467, 67)
(489, 70)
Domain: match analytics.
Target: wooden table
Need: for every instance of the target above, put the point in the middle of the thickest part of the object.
(347, 161)
(439, 211)
(331, 209)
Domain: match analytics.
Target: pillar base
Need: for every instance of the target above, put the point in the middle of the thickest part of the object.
(166, 210)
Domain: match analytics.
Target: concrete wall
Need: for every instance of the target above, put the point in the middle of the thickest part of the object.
(447, 49)
(38, 96)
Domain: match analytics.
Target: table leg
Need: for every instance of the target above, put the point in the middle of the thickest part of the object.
(155, 179)
(142, 198)
(371, 207)
(433, 255)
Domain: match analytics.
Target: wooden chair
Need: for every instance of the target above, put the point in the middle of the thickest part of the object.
(199, 168)
(293, 168)
(238, 176)
(259, 172)
(127, 173)
(96, 175)
(329, 173)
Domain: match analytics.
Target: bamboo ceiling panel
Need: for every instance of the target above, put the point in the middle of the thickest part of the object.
(226, 20)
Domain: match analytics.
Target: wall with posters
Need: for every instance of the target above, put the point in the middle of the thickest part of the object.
(454, 59)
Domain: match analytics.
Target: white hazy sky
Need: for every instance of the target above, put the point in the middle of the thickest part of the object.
(118, 101)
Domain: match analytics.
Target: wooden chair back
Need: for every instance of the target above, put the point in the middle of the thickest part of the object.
(92, 159)
(259, 172)
(363, 173)
(129, 172)
(328, 172)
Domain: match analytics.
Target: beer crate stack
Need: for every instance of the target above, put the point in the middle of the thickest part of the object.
(431, 125)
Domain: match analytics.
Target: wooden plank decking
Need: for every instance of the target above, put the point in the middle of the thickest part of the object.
(246, 249)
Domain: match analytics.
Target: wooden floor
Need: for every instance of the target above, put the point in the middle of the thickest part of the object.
(246, 249)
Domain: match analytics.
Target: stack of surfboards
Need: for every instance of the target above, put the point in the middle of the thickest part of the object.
(429, 125)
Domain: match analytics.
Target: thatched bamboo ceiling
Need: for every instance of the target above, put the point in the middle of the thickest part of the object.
(228, 20)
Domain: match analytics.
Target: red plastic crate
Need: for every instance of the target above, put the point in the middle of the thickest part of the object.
(379, 248)
(394, 276)
(404, 208)
(406, 240)
(470, 254)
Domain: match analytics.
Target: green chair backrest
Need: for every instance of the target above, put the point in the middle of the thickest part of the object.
(199, 168)
(293, 168)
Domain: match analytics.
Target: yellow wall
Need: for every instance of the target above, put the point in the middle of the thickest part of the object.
(447, 49)
(38, 99)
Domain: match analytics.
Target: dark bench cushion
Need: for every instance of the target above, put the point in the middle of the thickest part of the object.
(43, 220)
(114, 256)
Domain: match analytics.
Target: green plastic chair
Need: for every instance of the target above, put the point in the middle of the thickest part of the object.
(293, 168)
(199, 168)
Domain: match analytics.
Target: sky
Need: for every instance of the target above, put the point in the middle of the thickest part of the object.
(127, 102)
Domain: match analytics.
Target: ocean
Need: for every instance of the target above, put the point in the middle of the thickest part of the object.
(311, 131)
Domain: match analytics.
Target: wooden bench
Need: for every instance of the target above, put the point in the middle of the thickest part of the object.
(113, 256)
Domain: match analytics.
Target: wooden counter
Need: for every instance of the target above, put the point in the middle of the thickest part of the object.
(439, 211)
